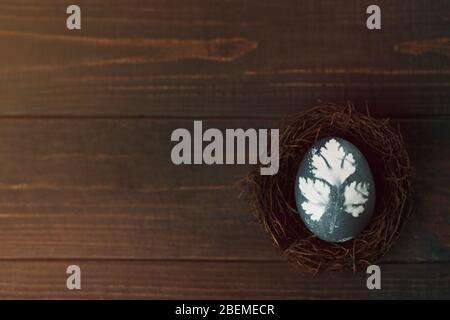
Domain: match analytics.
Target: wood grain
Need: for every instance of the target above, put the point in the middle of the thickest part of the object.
(85, 123)
(214, 280)
(439, 46)
(107, 189)
(236, 58)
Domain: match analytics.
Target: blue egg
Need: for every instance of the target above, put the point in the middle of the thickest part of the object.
(335, 190)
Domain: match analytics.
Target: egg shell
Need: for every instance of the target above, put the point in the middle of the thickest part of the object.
(335, 190)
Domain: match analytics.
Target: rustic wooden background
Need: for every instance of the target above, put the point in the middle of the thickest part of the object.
(85, 123)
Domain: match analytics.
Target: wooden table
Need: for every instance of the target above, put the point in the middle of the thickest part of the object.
(85, 124)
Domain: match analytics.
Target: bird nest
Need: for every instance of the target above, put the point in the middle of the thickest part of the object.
(273, 201)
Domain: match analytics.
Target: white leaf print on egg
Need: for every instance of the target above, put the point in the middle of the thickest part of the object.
(317, 195)
(356, 195)
(332, 164)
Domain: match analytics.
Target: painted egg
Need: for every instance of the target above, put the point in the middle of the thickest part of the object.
(335, 190)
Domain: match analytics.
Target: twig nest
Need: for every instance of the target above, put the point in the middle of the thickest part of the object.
(273, 198)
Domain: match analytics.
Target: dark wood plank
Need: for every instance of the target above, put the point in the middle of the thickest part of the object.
(103, 189)
(214, 280)
(236, 58)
